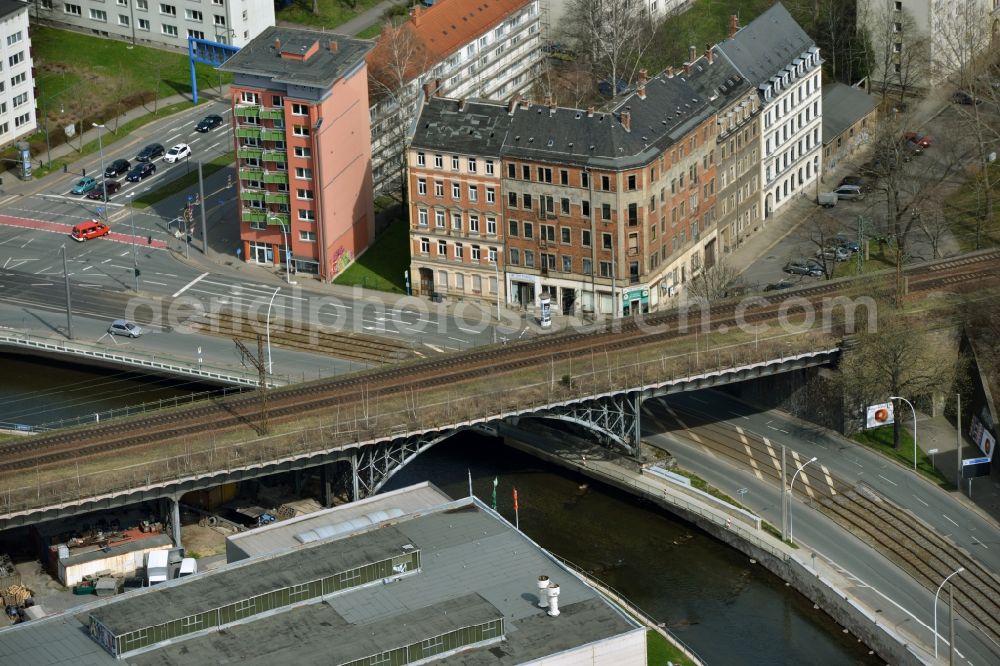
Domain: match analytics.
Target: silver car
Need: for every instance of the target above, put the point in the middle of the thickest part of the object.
(126, 328)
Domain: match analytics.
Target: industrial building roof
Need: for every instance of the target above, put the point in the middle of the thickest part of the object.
(474, 567)
(296, 56)
(281, 535)
(767, 45)
(843, 106)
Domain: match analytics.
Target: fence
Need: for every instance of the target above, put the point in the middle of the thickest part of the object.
(403, 411)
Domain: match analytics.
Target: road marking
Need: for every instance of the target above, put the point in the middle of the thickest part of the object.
(5, 200)
(457, 340)
(41, 284)
(921, 501)
(805, 477)
(977, 542)
(162, 284)
(214, 145)
(190, 284)
(950, 520)
(770, 450)
(829, 479)
(27, 243)
(468, 330)
(888, 480)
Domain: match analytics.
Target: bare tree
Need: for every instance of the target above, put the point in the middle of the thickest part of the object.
(395, 71)
(823, 229)
(832, 23)
(935, 226)
(898, 52)
(903, 357)
(614, 34)
(716, 282)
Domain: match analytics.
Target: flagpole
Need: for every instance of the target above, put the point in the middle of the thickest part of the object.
(495, 482)
(517, 514)
(470, 482)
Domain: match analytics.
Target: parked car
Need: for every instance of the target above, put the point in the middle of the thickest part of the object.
(83, 185)
(780, 284)
(89, 229)
(835, 253)
(922, 140)
(177, 153)
(803, 267)
(140, 171)
(97, 194)
(860, 181)
(208, 123)
(125, 327)
(117, 168)
(827, 199)
(910, 149)
(841, 240)
(851, 192)
(962, 97)
(150, 153)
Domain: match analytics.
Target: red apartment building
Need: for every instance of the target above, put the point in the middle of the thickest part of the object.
(303, 147)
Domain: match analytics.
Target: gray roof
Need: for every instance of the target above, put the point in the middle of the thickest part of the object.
(8, 7)
(262, 56)
(672, 106)
(767, 45)
(474, 567)
(843, 105)
(131, 546)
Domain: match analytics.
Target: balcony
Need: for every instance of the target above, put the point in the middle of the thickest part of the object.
(245, 132)
(252, 195)
(276, 177)
(247, 111)
(272, 134)
(272, 114)
(275, 156)
(278, 219)
(249, 152)
(251, 173)
(253, 215)
(276, 198)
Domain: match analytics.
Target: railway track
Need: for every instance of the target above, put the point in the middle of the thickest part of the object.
(289, 403)
(894, 532)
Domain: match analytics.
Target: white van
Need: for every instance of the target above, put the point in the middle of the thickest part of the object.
(189, 566)
(157, 567)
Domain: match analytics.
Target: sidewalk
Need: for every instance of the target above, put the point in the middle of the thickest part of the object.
(362, 21)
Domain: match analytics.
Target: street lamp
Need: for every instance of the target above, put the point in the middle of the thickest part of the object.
(100, 145)
(791, 539)
(960, 570)
(288, 248)
(896, 397)
(135, 260)
(496, 268)
(267, 329)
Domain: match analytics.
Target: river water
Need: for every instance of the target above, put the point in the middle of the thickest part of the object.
(729, 611)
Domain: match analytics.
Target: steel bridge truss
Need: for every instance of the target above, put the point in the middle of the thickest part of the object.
(615, 419)
(375, 464)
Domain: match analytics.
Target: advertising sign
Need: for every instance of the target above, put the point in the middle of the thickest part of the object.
(982, 437)
(879, 415)
(546, 313)
(975, 467)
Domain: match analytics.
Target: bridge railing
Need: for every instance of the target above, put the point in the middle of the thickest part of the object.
(396, 412)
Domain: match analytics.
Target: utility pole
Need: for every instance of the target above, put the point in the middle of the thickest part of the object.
(958, 441)
(203, 205)
(69, 303)
(784, 499)
(258, 362)
(951, 625)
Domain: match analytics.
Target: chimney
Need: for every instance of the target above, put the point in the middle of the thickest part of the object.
(512, 104)
(417, 9)
(734, 25)
(553, 593)
(461, 104)
(642, 89)
(626, 120)
(333, 46)
(552, 105)
(687, 67)
(590, 112)
(692, 53)
(277, 44)
(670, 72)
(428, 91)
(709, 55)
(642, 77)
(543, 585)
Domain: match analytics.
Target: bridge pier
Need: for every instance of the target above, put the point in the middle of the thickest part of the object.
(175, 519)
(326, 478)
(355, 490)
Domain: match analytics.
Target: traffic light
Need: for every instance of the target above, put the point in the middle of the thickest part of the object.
(65, 168)
(84, 172)
(138, 272)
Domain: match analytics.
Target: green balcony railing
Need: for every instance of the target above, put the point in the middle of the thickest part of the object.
(249, 132)
(276, 198)
(251, 173)
(253, 215)
(278, 219)
(275, 156)
(253, 195)
(247, 111)
(245, 153)
(276, 177)
(271, 134)
(272, 114)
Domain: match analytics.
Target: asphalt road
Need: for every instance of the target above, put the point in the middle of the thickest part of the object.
(34, 227)
(883, 585)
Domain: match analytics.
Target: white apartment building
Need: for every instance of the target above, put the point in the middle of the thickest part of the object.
(488, 51)
(161, 23)
(657, 9)
(776, 55)
(17, 85)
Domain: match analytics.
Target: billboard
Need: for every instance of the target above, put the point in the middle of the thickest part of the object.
(879, 415)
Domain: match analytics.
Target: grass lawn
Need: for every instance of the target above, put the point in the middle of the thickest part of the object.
(659, 651)
(966, 211)
(880, 439)
(382, 266)
(371, 32)
(331, 12)
(183, 182)
(876, 262)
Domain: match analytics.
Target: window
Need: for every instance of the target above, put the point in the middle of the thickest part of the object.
(439, 188)
(456, 221)
(19, 100)
(302, 152)
(421, 186)
(605, 211)
(606, 269)
(300, 130)
(442, 248)
(16, 58)
(308, 236)
(459, 250)
(491, 255)
(529, 230)
(567, 264)
(547, 232)
(22, 119)
(563, 177)
(585, 237)
(475, 253)
(123, 20)
(527, 201)
(421, 159)
(489, 167)
(73, 9)
(529, 258)
(474, 224)
(606, 241)
(14, 38)
(633, 214)
(169, 30)
(585, 206)
(300, 110)
(525, 172)
(142, 5)
(544, 175)
(143, 24)
(491, 195)
(425, 245)
(197, 34)
(248, 97)
(438, 162)
(439, 219)
(304, 174)
(588, 266)
(491, 226)
(564, 206)
(304, 194)
(456, 190)
(307, 215)
(193, 15)
(605, 183)
(512, 199)
(512, 171)
(99, 15)
(422, 217)
(631, 182)
(512, 228)
(219, 20)
(472, 165)
(515, 257)
(584, 179)
(20, 78)
(168, 10)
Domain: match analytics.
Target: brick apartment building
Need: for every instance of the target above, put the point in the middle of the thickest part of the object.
(300, 105)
